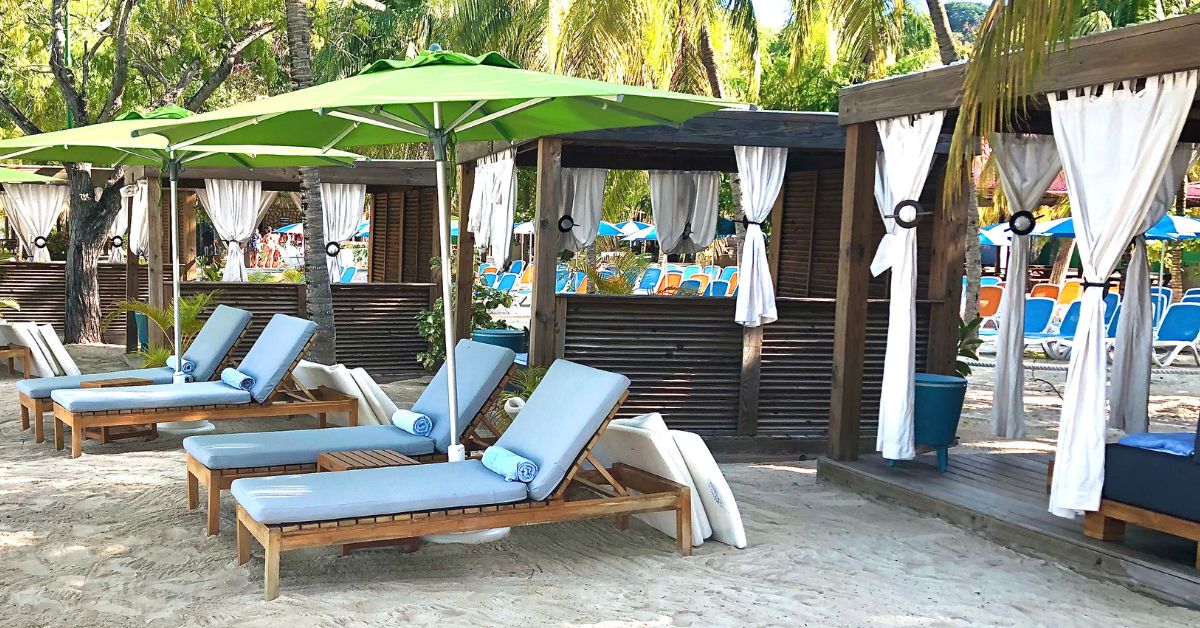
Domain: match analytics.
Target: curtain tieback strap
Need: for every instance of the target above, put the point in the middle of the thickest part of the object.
(746, 222)
(1102, 284)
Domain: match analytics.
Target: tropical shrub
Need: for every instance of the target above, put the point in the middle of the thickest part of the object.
(191, 308)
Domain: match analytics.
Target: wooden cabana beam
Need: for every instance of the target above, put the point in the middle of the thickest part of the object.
(948, 259)
(465, 275)
(1158, 47)
(850, 318)
(543, 319)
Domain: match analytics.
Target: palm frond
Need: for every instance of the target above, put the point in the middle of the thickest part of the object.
(9, 304)
(1010, 47)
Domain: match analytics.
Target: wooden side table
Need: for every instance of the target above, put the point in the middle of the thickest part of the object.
(108, 434)
(368, 459)
(362, 459)
(15, 352)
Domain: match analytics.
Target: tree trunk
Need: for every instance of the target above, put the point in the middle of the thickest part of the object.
(1062, 261)
(89, 221)
(941, 32)
(320, 297)
(974, 263)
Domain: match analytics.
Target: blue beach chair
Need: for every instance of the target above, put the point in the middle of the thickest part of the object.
(506, 283)
(266, 388)
(649, 281)
(217, 460)
(555, 431)
(208, 351)
(1180, 331)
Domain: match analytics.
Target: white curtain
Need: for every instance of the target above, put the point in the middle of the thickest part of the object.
(34, 208)
(1026, 165)
(1130, 395)
(342, 204)
(684, 205)
(900, 173)
(120, 225)
(493, 200)
(761, 170)
(583, 201)
(139, 235)
(235, 208)
(1115, 144)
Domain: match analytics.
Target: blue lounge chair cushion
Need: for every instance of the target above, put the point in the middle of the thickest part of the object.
(220, 332)
(41, 387)
(264, 449)
(149, 397)
(272, 355)
(373, 492)
(480, 369)
(1175, 443)
(561, 416)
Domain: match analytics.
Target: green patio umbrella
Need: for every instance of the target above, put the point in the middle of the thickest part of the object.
(117, 143)
(440, 97)
(8, 175)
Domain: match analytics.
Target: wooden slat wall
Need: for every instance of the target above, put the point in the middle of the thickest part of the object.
(41, 289)
(420, 205)
(683, 355)
(376, 323)
(377, 327)
(797, 359)
(387, 225)
(808, 253)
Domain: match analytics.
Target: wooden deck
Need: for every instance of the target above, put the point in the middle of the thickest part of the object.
(1003, 498)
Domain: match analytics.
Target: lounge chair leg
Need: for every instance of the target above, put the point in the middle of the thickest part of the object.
(24, 418)
(193, 491)
(243, 543)
(271, 570)
(58, 434)
(76, 441)
(322, 420)
(1098, 526)
(683, 523)
(621, 522)
(39, 428)
(214, 508)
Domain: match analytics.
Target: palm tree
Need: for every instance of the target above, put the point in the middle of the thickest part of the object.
(319, 295)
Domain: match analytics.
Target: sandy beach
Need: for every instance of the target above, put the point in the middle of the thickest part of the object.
(106, 540)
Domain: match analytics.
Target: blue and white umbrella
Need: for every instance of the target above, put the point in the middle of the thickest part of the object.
(645, 233)
(998, 234)
(295, 227)
(1169, 228)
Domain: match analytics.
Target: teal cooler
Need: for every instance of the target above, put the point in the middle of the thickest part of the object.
(143, 330)
(937, 408)
(511, 338)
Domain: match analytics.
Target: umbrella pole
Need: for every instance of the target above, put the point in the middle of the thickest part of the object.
(438, 141)
(178, 427)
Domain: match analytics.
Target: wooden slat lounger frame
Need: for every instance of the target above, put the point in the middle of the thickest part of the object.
(1108, 523)
(33, 409)
(217, 480)
(288, 399)
(611, 496)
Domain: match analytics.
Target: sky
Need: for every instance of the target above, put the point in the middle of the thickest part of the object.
(773, 14)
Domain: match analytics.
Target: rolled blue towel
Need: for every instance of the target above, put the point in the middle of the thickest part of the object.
(187, 368)
(237, 379)
(412, 422)
(512, 467)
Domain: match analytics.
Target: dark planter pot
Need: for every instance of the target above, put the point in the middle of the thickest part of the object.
(938, 407)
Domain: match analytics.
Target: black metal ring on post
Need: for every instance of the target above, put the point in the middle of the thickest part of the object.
(116, 241)
(40, 242)
(900, 220)
(566, 223)
(1022, 223)
(332, 249)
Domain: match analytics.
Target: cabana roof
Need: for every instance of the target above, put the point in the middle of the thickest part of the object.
(814, 139)
(1137, 51)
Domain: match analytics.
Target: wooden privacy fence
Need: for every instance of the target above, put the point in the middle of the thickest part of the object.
(689, 360)
(376, 326)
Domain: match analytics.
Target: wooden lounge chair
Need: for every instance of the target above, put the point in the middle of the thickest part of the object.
(557, 429)
(1149, 484)
(217, 460)
(209, 352)
(275, 392)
